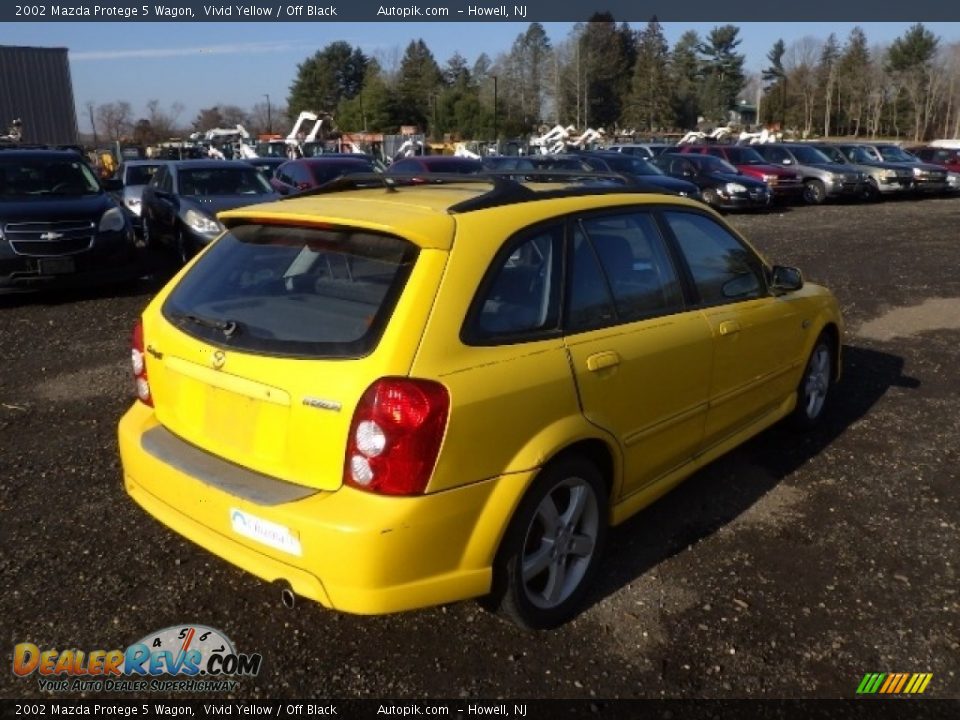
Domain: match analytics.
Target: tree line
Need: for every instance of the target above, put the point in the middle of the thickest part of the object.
(607, 74)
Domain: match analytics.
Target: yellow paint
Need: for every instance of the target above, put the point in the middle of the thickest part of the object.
(659, 398)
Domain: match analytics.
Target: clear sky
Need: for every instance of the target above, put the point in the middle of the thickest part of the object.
(206, 64)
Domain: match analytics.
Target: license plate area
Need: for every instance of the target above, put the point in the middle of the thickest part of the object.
(56, 266)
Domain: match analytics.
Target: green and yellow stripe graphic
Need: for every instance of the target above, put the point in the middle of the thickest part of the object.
(894, 683)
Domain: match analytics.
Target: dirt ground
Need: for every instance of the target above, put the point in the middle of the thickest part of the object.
(789, 568)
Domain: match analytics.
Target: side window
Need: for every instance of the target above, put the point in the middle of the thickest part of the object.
(166, 182)
(723, 269)
(158, 177)
(590, 303)
(521, 297)
(636, 265)
(773, 153)
(283, 174)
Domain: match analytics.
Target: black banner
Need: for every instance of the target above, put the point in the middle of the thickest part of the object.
(912, 709)
(480, 11)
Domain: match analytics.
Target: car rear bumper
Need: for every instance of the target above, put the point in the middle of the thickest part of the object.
(358, 552)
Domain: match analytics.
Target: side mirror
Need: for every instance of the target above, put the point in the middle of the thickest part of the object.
(786, 279)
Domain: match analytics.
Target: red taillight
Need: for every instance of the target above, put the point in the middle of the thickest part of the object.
(395, 436)
(139, 360)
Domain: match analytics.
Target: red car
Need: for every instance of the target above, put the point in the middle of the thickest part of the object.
(305, 173)
(947, 157)
(427, 164)
(784, 183)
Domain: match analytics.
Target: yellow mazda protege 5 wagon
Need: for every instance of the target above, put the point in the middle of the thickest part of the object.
(388, 396)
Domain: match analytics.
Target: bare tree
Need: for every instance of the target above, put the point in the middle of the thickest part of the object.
(800, 64)
(115, 119)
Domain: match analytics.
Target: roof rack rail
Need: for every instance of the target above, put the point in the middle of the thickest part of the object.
(507, 188)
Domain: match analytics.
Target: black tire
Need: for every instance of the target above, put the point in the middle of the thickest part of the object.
(871, 193)
(813, 393)
(814, 192)
(569, 494)
(711, 198)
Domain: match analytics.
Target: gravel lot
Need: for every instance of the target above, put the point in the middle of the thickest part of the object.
(789, 568)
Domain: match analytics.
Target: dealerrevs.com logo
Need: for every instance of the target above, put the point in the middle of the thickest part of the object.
(182, 658)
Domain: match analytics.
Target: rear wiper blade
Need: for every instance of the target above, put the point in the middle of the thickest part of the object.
(227, 327)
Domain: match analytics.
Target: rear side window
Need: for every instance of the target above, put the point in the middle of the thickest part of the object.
(520, 298)
(621, 272)
(299, 291)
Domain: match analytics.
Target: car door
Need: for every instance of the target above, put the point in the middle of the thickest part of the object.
(165, 205)
(640, 358)
(757, 336)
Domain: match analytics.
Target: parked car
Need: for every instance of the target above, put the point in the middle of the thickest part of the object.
(927, 178)
(428, 164)
(821, 179)
(944, 156)
(181, 203)
(134, 176)
(784, 183)
(266, 165)
(295, 176)
(640, 170)
(722, 186)
(882, 178)
(644, 150)
(389, 399)
(539, 167)
(59, 225)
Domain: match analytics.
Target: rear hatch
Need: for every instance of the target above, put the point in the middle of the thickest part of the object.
(261, 352)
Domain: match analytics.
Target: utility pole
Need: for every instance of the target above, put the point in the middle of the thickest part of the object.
(496, 136)
(269, 115)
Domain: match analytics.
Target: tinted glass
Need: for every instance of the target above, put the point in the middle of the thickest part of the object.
(223, 181)
(636, 265)
(773, 153)
(326, 171)
(744, 156)
(809, 155)
(724, 270)
(294, 291)
(591, 305)
(523, 297)
(891, 153)
(35, 176)
(139, 174)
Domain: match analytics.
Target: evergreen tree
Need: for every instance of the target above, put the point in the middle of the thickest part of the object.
(333, 74)
(685, 79)
(910, 61)
(853, 77)
(420, 79)
(650, 98)
(722, 72)
(776, 93)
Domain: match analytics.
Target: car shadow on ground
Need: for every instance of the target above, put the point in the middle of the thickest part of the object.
(722, 491)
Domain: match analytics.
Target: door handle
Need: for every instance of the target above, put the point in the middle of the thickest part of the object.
(729, 327)
(602, 360)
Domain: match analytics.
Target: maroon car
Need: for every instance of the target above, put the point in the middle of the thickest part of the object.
(427, 164)
(947, 157)
(785, 184)
(297, 175)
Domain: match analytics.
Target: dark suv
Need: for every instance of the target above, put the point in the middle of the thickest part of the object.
(58, 225)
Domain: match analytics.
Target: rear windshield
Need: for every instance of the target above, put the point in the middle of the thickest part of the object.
(305, 292)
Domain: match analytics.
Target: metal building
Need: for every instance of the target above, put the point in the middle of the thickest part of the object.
(35, 86)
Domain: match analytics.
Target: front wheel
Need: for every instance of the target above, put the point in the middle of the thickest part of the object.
(814, 192)
(814, 390)
(553, 545)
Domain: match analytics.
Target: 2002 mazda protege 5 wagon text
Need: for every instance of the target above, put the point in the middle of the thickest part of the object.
(387, 396)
